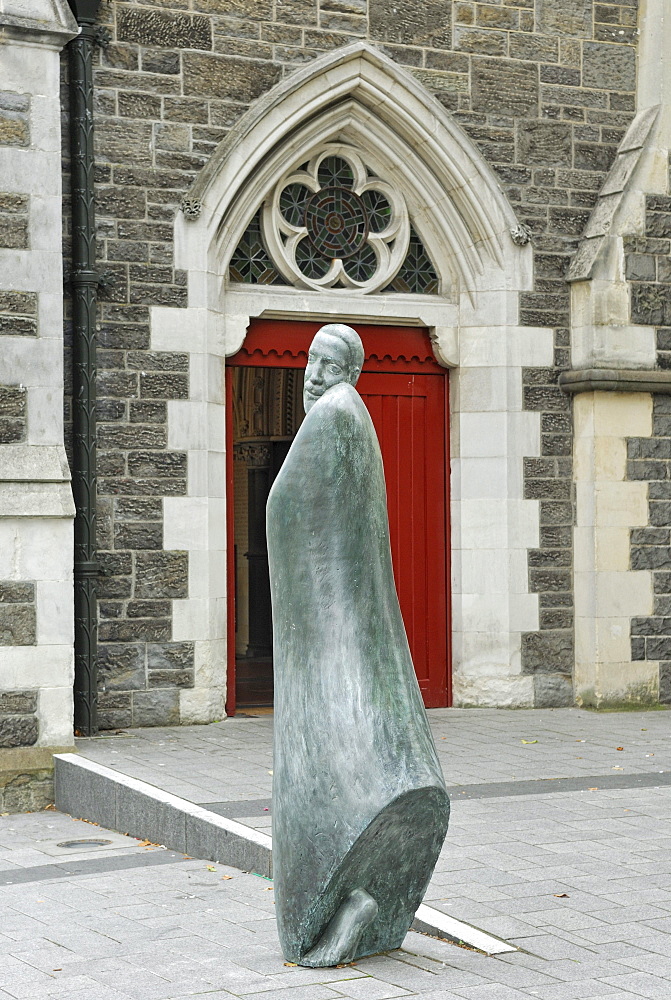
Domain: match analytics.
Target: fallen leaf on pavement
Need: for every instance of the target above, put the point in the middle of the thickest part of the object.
(619, 748)
(291, 965)
(211, 868)
(529, 741)
(227, 876)
(562, 895)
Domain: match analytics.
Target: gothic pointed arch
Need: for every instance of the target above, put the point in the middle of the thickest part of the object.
(359, 99)
(391, 128)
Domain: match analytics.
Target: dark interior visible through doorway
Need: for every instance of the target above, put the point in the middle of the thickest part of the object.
(267, 411)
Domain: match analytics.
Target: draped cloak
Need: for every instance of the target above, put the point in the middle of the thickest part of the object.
(359, 799)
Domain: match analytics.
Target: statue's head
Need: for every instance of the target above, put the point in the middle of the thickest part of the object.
(336, 355)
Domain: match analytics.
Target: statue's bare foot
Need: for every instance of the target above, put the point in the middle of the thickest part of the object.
(339, 942)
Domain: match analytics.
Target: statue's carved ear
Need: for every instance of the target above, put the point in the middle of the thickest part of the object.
(354, 374)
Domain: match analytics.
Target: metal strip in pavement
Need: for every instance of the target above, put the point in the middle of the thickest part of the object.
(89, 866)
(545, 786)
(438, 924)
(483, 790)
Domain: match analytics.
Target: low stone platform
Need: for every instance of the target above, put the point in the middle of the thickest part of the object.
(91, 791)
(559, 845)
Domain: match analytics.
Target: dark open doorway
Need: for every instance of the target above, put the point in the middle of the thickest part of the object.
(267, 411)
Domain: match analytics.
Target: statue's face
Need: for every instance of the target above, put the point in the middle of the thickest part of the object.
(328, 364)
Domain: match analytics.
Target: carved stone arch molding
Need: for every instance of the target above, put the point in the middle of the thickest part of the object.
(358, 96)
(361, 98)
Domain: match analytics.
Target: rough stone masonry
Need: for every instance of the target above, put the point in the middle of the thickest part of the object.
(545, 89)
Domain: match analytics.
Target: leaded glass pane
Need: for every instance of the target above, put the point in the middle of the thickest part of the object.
(336, 222)
(363, 265)
(378, 210)
(293, 200)
(335, 172)
(250, 263)
(417, 274)
(311, 262)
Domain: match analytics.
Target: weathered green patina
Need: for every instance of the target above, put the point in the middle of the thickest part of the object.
(360, 809)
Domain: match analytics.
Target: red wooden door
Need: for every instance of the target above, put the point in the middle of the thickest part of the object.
(406, 393)
(409, 414)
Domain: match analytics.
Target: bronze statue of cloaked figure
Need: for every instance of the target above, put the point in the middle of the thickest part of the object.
(360, 809)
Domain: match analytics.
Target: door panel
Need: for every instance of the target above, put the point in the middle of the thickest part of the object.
(405, 390)
(409, 414)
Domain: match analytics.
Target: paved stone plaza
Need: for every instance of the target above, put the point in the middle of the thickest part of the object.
(574, 871)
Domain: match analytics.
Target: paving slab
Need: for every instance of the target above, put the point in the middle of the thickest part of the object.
(571, 868)
(231, 761)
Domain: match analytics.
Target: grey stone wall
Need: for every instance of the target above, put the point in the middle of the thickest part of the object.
(14, 131)
(19, 726)
(17, 613)
(649, 459)
(18, 317)
(648, 268)
(544, 88)
(18, 314)
(14, 214)
(12, 414)
(35, 495)
(18, 723)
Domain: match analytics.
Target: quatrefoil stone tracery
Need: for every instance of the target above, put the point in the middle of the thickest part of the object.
(332, 223)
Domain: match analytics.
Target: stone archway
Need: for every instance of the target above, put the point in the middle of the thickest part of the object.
(359, 96)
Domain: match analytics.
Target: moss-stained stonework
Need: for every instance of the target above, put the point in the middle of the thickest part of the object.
(14, 119)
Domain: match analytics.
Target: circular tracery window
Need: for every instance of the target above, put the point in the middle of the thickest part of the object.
(336, 221)
(333, 223)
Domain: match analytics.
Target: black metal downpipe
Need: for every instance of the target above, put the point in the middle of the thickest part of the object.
(84, 279)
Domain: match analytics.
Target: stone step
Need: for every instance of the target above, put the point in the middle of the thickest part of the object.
(87, 790)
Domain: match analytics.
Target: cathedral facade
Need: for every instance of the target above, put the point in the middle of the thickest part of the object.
(188, 190)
